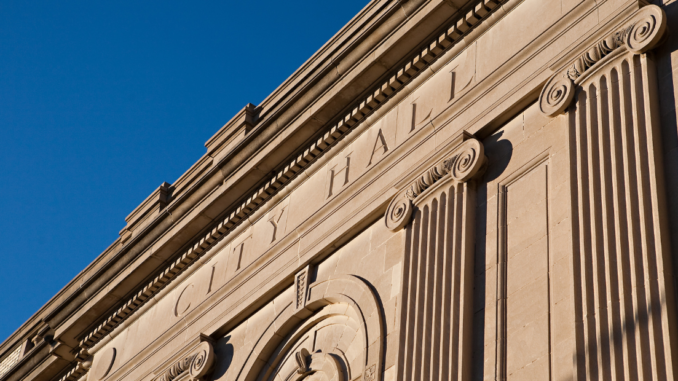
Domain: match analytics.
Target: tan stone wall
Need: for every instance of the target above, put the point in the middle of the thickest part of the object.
(374, 255)
(524, 321)
(550, 262)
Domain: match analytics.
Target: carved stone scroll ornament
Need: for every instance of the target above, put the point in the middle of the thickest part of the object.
(303, 360)
(464, 163)
(192, 367)
(642, 33)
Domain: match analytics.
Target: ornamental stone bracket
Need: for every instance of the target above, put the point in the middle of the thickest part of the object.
(461, 166)
(645, 31)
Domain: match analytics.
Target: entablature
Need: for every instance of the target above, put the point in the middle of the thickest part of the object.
(226, 189)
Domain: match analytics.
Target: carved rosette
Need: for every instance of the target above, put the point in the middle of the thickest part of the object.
(463, 165)
(644, 32)
(195, 365)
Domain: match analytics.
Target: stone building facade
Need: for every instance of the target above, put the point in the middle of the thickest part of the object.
(447, 190)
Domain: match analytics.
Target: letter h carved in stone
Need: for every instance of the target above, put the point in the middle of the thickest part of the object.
(438, 211)
(338, 176)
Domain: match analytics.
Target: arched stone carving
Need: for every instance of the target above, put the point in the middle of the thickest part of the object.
(338, 335)
(645, 30)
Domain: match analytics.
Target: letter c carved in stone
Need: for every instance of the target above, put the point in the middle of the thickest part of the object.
(183, 302)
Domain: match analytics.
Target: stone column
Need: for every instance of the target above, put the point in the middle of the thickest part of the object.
(438, 211)
(623, 287)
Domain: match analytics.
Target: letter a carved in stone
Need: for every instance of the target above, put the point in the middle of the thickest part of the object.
(379, 143)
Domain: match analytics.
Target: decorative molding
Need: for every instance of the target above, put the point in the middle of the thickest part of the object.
(421, 61)
(153, 204)
(463, 164)
(645, 30)
(193, 367)
(75, 373)
(370, 373)
(301, 281)
(244, 119)
(8, 362)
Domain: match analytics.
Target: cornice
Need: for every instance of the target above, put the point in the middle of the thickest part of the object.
(189, 188)
(246, 210)
(335, 133)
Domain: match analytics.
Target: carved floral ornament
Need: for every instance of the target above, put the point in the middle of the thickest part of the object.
(645, 30)
(461, 166)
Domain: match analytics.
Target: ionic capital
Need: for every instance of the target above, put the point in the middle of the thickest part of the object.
(461, 166)
(193, 366)
(645, 30)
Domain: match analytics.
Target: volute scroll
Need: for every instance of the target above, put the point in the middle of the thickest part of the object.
(644, 32)
(462, 165)
(192, 367)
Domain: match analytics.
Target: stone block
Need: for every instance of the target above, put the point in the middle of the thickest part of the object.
(527, 305)
(525, 347)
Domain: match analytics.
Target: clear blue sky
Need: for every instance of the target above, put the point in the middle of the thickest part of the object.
(102, 101)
